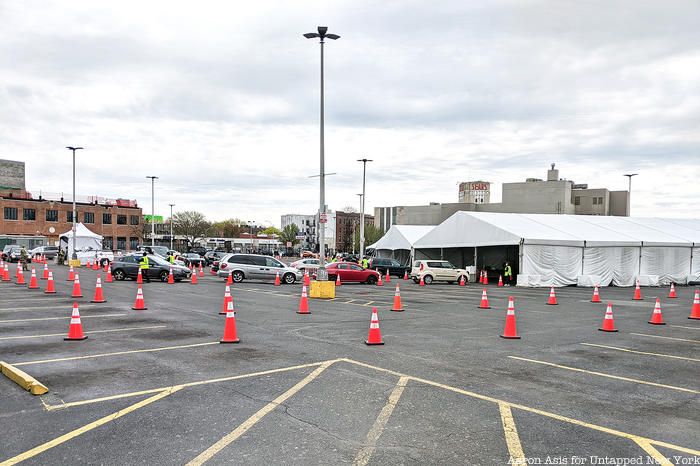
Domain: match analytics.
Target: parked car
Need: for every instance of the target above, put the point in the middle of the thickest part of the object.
(103, 257)
(191, 258)
(350, 272)
(49, 251)
(198, 250)
(12, 253)
(432, 270)
(306, 264)
(394, 267)
(128, 267)
(212, 256)
(256, 267)
(161, 251)
(308, 254)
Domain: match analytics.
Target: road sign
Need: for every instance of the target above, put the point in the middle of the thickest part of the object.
(323, 218)
(300, 237)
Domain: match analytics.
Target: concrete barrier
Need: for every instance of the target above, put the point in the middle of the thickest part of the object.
(23, 379)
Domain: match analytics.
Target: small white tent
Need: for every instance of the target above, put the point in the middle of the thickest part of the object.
(84, 239)
(397, 243)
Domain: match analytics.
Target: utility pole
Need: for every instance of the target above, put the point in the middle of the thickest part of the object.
(629, 193)
(153, 211)
(171, 225)
(362, 208)
(74, 256)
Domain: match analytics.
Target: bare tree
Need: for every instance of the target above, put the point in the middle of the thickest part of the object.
(192, 225)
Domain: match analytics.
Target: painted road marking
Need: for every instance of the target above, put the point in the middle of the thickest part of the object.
(610, 376)
(653, 452)
(255, 418)
(365, 453)
(61, 307)
(665, 338)
(517, 456)
(91, 332)
(58, 318)
(88, 427)
(683, 326)
(627, 350)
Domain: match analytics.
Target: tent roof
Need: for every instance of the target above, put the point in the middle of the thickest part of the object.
(81, 231)
(468, 229)
(401, 237)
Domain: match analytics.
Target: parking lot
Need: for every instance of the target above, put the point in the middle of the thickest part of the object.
(156, 387)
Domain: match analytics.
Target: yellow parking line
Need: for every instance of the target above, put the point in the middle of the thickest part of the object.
(88, 427)
(58, 318)
(665, 338)
(117, 353)
(610, 376)
(364, 455)
(91, 332)
(653, 452)
(517, 456)
(627, 350)
(255, 418)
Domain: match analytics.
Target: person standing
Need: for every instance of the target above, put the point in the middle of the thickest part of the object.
(23, 258)
(508, 273)
(144, 266)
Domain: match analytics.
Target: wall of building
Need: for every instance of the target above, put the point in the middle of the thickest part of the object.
(618, 203)
(591, 201)
(538, 197)
(11, 175)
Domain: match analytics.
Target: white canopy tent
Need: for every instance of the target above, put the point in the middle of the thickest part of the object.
(84, 239)
(559, 250)
(397, 243)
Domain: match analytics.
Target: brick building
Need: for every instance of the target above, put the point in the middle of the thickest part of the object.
(347, 224)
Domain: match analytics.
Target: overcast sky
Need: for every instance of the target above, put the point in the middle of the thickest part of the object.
(220, 100)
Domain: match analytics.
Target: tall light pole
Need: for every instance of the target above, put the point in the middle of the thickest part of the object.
(629, 192)
(250, 224)
(153, 210)
(171, 225)
(321, 274)
(362, 208)
(74, 256)
(353, 226)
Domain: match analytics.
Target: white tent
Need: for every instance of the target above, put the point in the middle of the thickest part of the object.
(558, 250)
(398, 241)
(84, 239)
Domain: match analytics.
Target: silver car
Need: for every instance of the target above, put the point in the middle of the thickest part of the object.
(256, 267)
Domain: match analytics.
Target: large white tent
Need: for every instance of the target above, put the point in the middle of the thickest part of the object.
(559, 250)
(84, 239)
(397, 243)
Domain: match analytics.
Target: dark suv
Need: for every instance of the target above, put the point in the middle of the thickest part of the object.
(128, 267)
(382, 264)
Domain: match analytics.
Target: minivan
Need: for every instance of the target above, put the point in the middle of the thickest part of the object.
(256, 267)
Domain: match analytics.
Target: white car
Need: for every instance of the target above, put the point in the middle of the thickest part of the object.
(437, 270)
(101, 256)
(309, 264)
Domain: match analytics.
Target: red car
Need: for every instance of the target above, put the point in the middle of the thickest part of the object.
(350, 272)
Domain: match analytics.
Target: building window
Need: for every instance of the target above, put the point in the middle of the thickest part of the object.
(106, 219)
(69, 216)
(107, 243)
(121, 243)
(134, 219)
(600, 200)
(29, 214)
(52, 215)
(133, 243)
(577, 200)
(121, 220)
(10, 213)
(595, 201)
(88, 217)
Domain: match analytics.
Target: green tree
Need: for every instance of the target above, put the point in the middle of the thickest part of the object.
(288, 234)
(372, 235)
(230, 228)
(271, 231)
(192, 225)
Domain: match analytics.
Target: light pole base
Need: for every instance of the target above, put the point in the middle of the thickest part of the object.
(322, 274)
(74, 262)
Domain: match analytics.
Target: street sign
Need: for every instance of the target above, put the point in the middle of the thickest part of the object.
(300, 237)
(323, 218)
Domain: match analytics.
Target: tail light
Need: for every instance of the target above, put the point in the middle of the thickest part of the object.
(221, 266)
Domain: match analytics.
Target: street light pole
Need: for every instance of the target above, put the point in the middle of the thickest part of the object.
(250, 224)
(353, 232)
(171, 225)
(153, 210)
(362, 211)
(74, 256)
(629, 192)
(321, 274)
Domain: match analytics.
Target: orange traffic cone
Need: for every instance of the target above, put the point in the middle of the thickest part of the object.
(484, 301)
(20, 277)
(405, 275)
(230, 334)
(46, 272)
(397, 300)
(510, 331)
(171, 279)
(139, 278)
(71, 274)
(596, 295)
(486, 278)
(374, 337)
(388, 277)
(229, 278)
(18, 270)
(109, 278)
(193, 278)
(608, 321)
(6, 273)
(307, 278)
(75, 330)
(337, 280)
(303, 302)
(201, 270)
(637, 292)
(462, 281)
(211, 270)
(500, 280)
(76, 288)
(50, 288)
(139, 303)
(656, 317)
(379, 280)
(422, 282)
(672, 291)
(33, 284)
(695, 310)
(552, 301)
(99, 298)
(89, 264)
(95, 266)
(227, 299)
(277, 279)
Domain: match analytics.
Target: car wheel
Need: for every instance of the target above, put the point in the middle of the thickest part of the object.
(289, 278)
(371, 280)
(163, 276)
(119, 275)
(428, 279)
(237, 276)
(415, 280)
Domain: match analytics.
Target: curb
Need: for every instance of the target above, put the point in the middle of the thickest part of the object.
(23, 379)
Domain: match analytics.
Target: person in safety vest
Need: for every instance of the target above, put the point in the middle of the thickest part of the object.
(508, 273)
(144, 266)
(365, 263)
(171, 257)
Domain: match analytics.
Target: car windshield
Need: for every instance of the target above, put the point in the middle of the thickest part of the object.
(192, 256)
